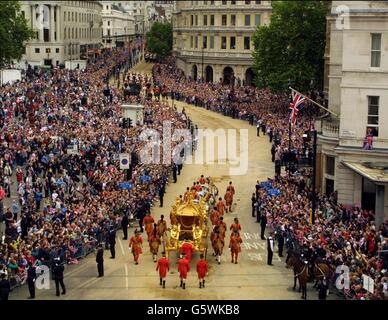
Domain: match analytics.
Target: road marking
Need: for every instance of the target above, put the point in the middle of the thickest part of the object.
(87, 283)
(79, 268)
(122, 248)
(126, 276)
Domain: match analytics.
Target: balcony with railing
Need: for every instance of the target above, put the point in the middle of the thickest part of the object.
(328, 127)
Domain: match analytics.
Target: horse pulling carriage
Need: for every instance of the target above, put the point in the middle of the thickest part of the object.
(189, 218)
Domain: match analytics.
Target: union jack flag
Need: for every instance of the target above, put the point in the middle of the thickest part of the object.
(296, 105)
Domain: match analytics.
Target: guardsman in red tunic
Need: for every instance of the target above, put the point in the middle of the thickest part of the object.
(135, 244)
(154, 242)
(162, 226)
(231, 188)
(187, 250)
(214, 216)
(202, 270)
(228, 200)
(148, 223)
(183, 269)
(230, 191)
(236, 226)
(163, 266)
(202, 180)
(235, 246)
(221, 206)
(222, 227)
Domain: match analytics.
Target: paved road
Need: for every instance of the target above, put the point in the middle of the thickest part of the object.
(250, 279)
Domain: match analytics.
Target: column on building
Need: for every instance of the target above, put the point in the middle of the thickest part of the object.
(52, 24)
(33, 17)
(40, 24)
(58, 24)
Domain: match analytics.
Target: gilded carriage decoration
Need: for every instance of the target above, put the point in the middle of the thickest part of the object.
(188, 224)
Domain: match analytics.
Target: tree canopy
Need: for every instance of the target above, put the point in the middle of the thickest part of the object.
(14, 31)
(159, 39)
(291, 49)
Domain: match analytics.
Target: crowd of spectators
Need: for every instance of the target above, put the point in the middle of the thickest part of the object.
(60, 136)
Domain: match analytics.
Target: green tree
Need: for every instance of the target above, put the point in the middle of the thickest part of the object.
(291, 48)
(159, 39)
(14, 31)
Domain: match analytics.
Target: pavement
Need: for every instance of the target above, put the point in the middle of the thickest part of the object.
(250, 279)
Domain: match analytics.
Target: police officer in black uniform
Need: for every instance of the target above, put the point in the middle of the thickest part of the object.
(270, 247)
(100, 261)
(58, 270)
(31, 278)
(280, 239)
(253, 204)
(162, 191)
(112, 242)
(5, 287)
(174, 172)
(263, 224)
(124, 226)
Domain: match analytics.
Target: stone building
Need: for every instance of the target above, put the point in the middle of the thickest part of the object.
(213, 39)
(357, 87)
(65, 30)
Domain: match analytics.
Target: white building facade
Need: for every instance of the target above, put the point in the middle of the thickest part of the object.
(117, 23)
(213, 40)
(64, 30)
(357, 85)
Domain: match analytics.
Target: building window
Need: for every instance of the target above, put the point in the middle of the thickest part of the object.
(233, 1)
(37, 50)
(57, 50)
(247, 43)
(224, 19)
(232, 43)
(373, 115)
(212, 20)
(204, 44)
(196, 20)
(258, 2)
(233, 19)
(330, 165)
(196, 42)
(212, 2)
(23, 14)
(46, 35)
(205, 20)
(247, 1)
(247, 20)
(191, 42)
(192, 20)
(108, 23)
(211, 42)
(257, 20)
(376, 50)
(223, 42)
(224, 2)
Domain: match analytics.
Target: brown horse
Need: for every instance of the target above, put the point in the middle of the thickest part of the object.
(321, 271)
(301, 271)
(218, 247)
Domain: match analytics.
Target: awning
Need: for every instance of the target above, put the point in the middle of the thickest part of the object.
(376, 172)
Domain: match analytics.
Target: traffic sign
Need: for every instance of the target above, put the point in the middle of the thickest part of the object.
(124, 161)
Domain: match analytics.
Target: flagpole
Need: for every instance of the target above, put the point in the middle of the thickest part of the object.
(316, 103)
